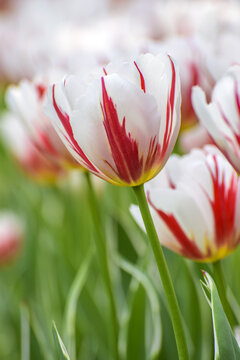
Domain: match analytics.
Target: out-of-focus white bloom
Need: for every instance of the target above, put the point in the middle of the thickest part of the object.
(123, 123)
(16, 138)
(28, 34)
(222, 53)
(110, 37)
(26, 102)
(26, 47)
(195, 203)
(206, 18)
(194, 137)
(190, 55)
(11, 236)
(221, 116)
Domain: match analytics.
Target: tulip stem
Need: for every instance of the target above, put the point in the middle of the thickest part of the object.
(222, 290)
(164, 274)
(100, 244)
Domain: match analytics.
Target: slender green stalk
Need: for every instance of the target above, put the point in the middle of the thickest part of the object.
(164, 274)
(103, 261)
(222, 288)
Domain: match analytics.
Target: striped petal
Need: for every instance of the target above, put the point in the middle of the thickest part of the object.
(221, 117)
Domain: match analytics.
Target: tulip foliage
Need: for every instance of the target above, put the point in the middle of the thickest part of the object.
(119, 180)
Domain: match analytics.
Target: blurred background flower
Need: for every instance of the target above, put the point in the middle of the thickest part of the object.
(25, 102)
(17, 139)
(221, 116)
(11, 236)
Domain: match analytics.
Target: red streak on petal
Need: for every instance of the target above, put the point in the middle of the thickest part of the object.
(187, 109)
(236, 135)
(64, 118)
(223, 205)
(41, 90)
(143, 87)
(170, 111)
(234, 165)
(124, 149)
(154, 154)
(45, 144)
(237, 97)
(105, 71)
(125, 152)
(188, 247)
(170, 182)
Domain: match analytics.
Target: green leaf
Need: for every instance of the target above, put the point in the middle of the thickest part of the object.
(225, 344)
(72, 300)
(59, 344)
(151, 293)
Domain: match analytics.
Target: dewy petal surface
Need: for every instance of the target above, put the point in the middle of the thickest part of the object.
(195, 202)
(122, 124)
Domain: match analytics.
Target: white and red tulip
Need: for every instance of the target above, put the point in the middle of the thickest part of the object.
(195, 203)
(24, 151)
(11, 237)
(26, 103)
(221, 117)
(123, 123)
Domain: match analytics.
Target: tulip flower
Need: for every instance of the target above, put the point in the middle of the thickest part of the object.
(221, 117)
(123, 123)
(25, 101)
(195, 205)
(25, 153)
(11, 236)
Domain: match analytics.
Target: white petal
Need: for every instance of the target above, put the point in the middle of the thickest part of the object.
(210, 116)
(224, 95)
(237, 212)
(22, 100)
(185, 210)
(164, 234)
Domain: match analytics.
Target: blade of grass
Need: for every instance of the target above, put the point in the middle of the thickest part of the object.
(62, 351)
(71, 303)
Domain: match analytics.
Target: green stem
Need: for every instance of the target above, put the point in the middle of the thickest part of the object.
(222, 290)
(103, 261)
(164, 274)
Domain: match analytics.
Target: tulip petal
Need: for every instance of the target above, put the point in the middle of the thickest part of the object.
(181, 215)
(120, 133)
(218, 125)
